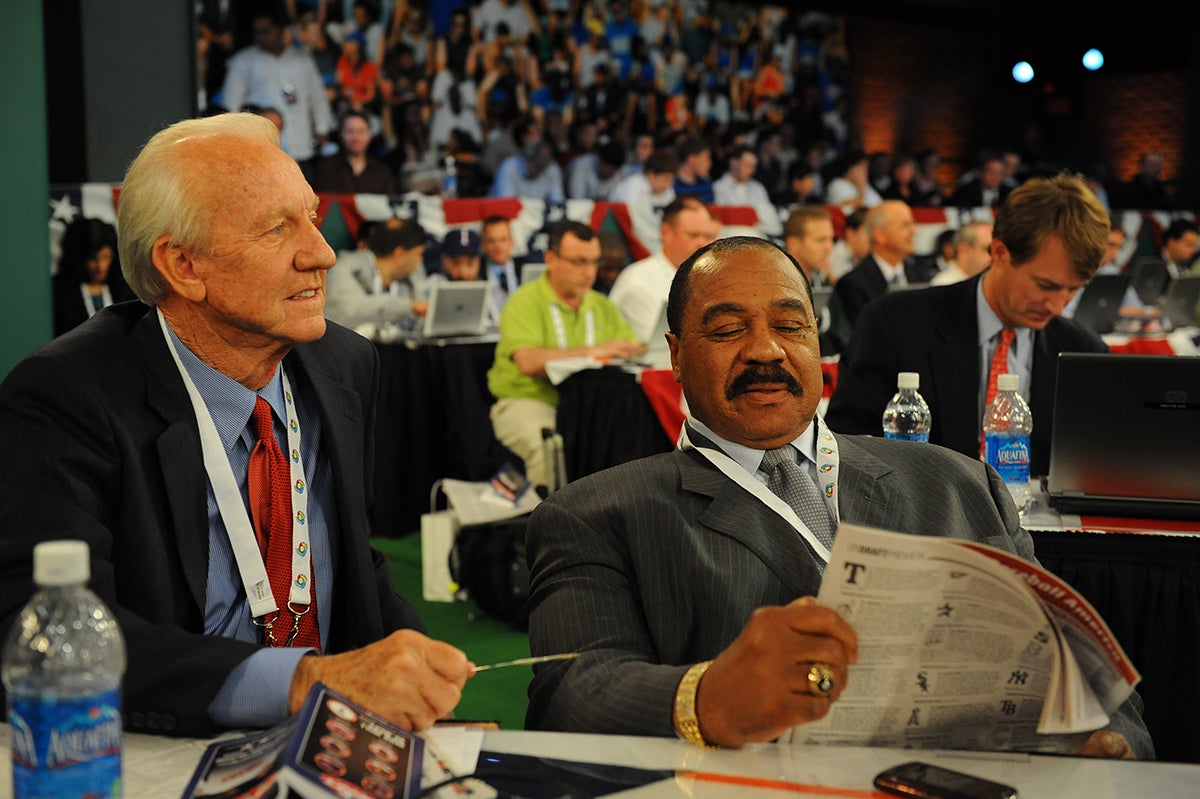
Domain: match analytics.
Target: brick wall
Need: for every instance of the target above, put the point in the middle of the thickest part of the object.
(916, 85)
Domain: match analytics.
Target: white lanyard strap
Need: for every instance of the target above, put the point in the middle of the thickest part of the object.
(827, 460)
(90, 304)
(233, 510)
(560, 328)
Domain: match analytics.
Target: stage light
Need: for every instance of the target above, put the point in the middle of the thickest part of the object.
(1093, 59)
(1022, 72)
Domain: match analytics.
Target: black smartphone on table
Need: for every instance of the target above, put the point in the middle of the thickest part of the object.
(927, 781)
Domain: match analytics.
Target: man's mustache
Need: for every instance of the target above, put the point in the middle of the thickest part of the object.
(762, 375)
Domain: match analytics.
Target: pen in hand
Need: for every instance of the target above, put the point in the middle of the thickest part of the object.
(528, 661)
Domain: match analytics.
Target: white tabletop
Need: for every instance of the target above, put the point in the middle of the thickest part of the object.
(160, 767)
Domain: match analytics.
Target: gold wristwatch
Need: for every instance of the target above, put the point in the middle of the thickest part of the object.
(685, 706)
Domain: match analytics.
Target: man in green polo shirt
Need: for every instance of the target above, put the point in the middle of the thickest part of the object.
(556, 316)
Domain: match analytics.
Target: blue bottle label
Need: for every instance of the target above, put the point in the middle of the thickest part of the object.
(1009, 455)
(68, 747)
(908, 436)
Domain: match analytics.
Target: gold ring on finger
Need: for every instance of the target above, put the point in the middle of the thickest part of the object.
(820, 679)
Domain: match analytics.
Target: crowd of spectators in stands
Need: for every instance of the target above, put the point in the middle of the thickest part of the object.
(568, 98)
(602, 84)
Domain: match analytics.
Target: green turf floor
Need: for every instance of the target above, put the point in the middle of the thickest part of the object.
(497, 695)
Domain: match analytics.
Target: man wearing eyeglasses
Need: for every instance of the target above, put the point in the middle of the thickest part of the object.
(559, 315)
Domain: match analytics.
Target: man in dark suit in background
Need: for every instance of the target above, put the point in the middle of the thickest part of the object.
(130, 433)
(680, 579)
(891, 230)
(1047, 242)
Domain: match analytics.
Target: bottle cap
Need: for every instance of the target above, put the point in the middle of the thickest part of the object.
(61, 563)
(908, 380)
(1008, 382)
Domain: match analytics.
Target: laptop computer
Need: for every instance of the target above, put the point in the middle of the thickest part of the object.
(1181, 303)
(1100, 302)
(1126, 436)
(531, 272)
(456, 308)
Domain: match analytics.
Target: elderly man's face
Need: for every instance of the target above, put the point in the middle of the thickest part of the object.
(746, 352)
(262, 282)
(691, 229)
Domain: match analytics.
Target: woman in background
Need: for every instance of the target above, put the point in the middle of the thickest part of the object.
(89, 275)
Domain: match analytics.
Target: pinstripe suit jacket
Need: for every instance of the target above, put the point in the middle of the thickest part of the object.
(100, 443)
(657, 564)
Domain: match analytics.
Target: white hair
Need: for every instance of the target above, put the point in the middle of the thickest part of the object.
(164, 194)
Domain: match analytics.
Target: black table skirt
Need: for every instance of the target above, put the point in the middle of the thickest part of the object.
(605, 420)
(1147, 588)
(432, 423)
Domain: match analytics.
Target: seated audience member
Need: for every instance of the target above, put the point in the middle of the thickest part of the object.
(849, 187)
(558, 315)
(530, 174)
(1113, 264)
(851, 247)
(614, 257)
(217, 235)
(891, 231)
(802, 185)
(501, 266)
(986, 188)
(461, 261)
(689, 597)
(738, 187)
(86, 280)
(1181, 243)
(353, 170)
(1047, 242)
(640, 292)
(808, 238)
(593, 175)
(383, 282)
(692, 175)
(972, 253)
(647, 193)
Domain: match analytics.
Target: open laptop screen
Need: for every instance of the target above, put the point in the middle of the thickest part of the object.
(1126, 435)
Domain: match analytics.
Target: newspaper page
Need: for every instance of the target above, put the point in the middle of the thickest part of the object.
(956, 651)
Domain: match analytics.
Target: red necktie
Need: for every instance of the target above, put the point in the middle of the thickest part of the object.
(269, 484)
(999, 364)
(999, 367)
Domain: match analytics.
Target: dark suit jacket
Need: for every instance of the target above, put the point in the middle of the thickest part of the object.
(657, 564)
(970, 195)
(935, 332)
(865, 282)
(101, 444)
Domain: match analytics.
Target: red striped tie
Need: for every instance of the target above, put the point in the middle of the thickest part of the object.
(999, 366)
(270, 491)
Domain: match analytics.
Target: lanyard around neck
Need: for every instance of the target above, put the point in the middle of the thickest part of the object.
(233, 509)
(560, 328)
(827, 461)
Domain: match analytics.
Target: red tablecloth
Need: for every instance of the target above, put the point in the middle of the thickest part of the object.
(1144, 346)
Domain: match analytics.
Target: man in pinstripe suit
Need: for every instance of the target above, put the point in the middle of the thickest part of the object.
(688, 593)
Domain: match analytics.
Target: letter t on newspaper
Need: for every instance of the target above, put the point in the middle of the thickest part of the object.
(962, 645)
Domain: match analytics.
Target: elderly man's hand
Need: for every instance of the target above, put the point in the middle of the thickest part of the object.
(758, 688)
(408, 678)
